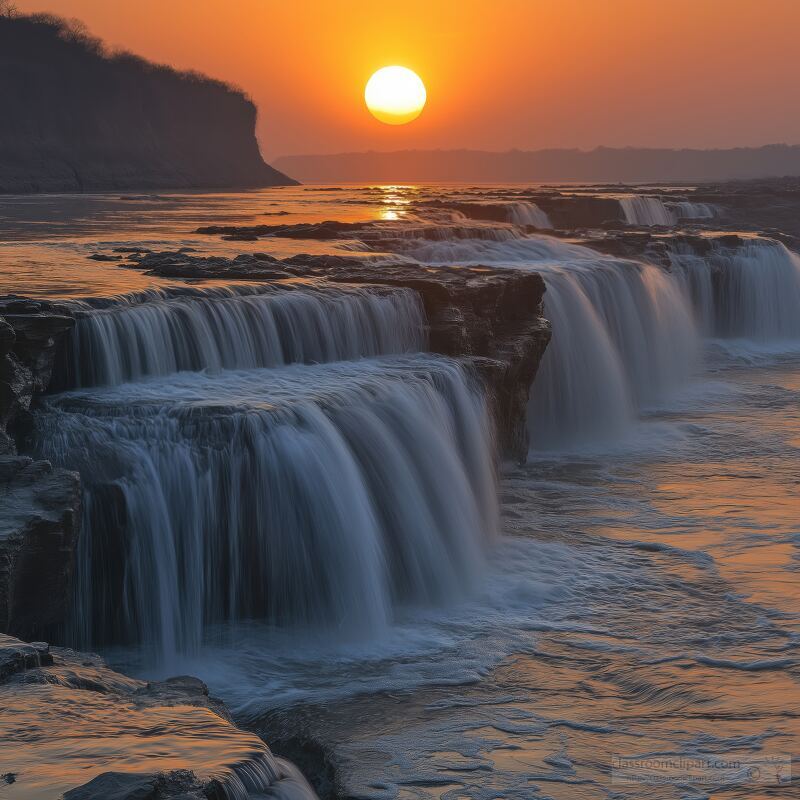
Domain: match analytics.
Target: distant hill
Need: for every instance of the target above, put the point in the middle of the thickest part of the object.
(604, 164)
(75, 118)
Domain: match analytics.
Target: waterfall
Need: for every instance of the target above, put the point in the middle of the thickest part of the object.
(647, 211)
(623, 339)
(748, 289)
(525, 213)
(623, 334)
(686, 210)
(303, 495)
(158, 332)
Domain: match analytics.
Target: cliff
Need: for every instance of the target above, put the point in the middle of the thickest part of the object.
(75, 118)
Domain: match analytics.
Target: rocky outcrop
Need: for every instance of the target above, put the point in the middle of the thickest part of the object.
(493, 316)
(770, 207)
(76, 118)
(30, 332)
(72, 727)
(656, 248)
(330, 229)
(39, 523)
(39, 505)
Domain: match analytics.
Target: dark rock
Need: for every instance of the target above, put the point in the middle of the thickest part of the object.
(37, 336)
(330, 229)
(770, 206)
(7, 338)
(17, 656)
(579, 211)
(118, 786)
(104, 257)
(39, 522)
(30, 333)
(177, 264)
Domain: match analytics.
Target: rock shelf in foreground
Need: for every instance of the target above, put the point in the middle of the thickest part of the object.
(73, 727)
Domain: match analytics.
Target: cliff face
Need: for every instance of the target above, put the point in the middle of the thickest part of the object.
(74, 119)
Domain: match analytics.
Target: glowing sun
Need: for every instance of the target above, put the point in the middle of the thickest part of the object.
(395, 95)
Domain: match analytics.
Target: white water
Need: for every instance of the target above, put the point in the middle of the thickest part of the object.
(526, 213)
(648, 211)
(623, 334)
(644, 210)
(158, 333)
(304, 496)
(623, 339)
(687, 210)
(748, 291)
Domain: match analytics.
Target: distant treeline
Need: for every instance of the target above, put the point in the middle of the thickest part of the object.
(74, 116)
(604, 164)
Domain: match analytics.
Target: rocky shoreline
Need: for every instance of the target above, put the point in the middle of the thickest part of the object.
(73, 727)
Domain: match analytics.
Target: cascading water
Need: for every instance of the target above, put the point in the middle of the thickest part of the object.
(623, 333)
(157, 333)
(749, 289)
(646, 211)
(526, 213)
(302, 495)
(687, 210)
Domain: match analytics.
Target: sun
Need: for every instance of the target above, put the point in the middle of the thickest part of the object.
(395, 95)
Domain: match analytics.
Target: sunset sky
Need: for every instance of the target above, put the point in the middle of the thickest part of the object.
(499, 74)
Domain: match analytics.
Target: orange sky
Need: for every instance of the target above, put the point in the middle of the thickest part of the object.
(500, 74)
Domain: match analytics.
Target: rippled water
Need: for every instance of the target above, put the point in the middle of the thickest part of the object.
(643, 598)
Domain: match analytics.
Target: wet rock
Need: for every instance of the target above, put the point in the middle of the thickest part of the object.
(72, 727)
(578, 211)
(770, 206)
(39, 523)
(30, 333)
(119, 786)
(181, 264)
(104, 257)
(37, 336)
(17, 656)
